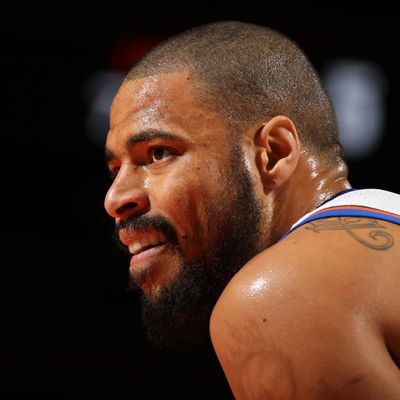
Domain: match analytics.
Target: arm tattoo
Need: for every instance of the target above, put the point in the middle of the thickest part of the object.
(375, 238)
(268, 374)
(263, 372)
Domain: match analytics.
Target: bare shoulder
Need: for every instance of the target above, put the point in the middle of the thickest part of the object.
(315, 316)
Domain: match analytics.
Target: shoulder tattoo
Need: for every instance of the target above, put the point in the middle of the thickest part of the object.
(367, 231)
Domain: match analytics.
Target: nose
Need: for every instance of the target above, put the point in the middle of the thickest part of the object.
(127, 195)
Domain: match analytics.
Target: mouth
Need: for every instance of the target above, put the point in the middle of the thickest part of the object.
(149, 241)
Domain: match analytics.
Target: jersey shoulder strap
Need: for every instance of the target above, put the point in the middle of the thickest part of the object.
(367, 203)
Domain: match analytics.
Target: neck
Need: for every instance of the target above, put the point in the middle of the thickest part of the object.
(312, 183)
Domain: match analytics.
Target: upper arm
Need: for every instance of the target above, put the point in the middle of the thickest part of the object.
(302, 327)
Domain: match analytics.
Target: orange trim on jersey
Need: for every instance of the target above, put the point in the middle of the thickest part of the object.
(354, 208)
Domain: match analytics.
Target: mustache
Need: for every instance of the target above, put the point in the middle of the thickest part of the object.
(145, 222)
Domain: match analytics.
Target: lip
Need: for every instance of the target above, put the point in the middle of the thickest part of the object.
(147, 256)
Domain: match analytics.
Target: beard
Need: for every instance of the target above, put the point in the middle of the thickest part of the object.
(179, 315)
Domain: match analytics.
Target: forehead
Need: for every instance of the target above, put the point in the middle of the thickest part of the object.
(159, 102)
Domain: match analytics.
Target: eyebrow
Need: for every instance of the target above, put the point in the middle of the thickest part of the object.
(146, 136)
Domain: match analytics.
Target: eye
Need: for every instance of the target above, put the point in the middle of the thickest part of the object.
(159, 153)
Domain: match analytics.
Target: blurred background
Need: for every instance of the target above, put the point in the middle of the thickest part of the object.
(69, 327)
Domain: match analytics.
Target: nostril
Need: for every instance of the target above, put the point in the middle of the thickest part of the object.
(126, 207)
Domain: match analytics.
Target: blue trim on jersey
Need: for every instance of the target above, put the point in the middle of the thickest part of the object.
(346, 213)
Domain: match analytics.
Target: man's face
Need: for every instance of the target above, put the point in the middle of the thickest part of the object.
(183, 201)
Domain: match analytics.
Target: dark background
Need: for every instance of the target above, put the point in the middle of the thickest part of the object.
(69, 327)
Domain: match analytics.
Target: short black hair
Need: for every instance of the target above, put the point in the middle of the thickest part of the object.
(250, 73)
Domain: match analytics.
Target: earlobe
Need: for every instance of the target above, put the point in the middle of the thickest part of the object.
(279, 151)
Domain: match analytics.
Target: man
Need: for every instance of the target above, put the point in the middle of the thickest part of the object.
(221, 139)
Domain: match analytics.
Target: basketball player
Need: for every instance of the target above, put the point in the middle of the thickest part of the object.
(230, 193)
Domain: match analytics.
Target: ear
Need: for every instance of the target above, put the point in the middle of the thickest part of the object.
(278, 151)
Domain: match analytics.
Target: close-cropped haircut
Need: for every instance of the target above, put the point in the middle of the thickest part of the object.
(249, 73)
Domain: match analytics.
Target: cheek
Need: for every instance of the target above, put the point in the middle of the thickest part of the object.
(186, 200)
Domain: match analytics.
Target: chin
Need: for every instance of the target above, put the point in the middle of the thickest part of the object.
(153, 282)
(153, 290)
(176, 310)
